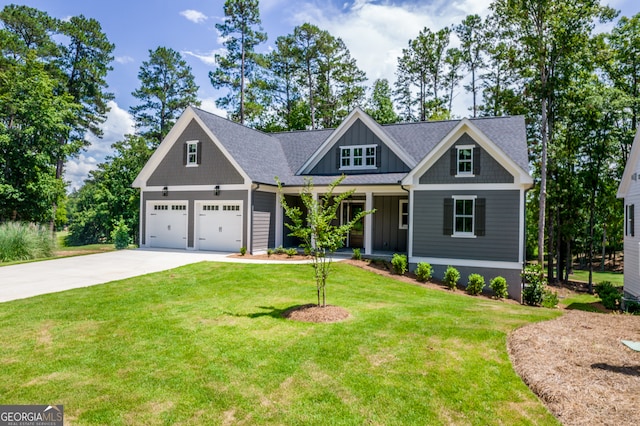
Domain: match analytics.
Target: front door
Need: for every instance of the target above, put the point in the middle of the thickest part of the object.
(351, 209)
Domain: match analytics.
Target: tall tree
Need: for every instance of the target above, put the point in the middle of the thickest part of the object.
(237, 69)
(453, 62)
(307, 40)
(380, 105)
(167, 87)
(548, 32)
(472, 44)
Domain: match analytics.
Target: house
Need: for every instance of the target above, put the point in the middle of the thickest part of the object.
(629, 189)
(447, 192)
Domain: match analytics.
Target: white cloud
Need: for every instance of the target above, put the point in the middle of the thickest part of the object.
(123, 59)
(209, 105)
(119, 122)
(194, 15)
(207, 58)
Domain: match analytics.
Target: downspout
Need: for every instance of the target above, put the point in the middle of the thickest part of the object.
(524, 244)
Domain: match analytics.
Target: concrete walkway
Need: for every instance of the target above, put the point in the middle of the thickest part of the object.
(50, 276)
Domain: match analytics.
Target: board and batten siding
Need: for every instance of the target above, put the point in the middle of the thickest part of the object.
(387, 235)
(191, 197)
(490, 170)
(632, 243)
(214, 167)
(360, 134)
(502, 234)
(264, 226)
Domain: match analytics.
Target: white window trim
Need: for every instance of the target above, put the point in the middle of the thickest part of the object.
(400, 214)
(189, 144)
(471, 234)
(464, 174)
(364, 157)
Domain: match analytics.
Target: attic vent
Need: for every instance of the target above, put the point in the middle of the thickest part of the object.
(634, 176)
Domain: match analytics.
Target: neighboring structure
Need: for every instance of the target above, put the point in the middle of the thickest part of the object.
(630, 190)
(447, 193)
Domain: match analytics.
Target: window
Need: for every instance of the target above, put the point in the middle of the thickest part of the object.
(464, 216)
(404, 214)
(357, 157)
(630, 225)
(465, 160)
(192, 154)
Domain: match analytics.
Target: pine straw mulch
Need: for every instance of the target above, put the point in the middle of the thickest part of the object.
(315, 313)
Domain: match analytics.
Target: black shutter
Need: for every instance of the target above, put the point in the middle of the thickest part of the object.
(632, 220)
(199, 153)
(476, 161)
(447, 229)
(454, 161)
(184, 154)
(480, 216)
(378, 162)
(338, 158)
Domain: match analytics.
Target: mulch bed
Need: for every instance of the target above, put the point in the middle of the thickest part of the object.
(315, 313)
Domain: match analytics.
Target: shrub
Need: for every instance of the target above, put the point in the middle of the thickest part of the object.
(356, 254)
(280, 250)
(609, 295)
(424, 271)
(632, 307)
(120, 234)
(243, 251)
(24, 241)
(399, 263)
(269, 252)
(475, 284)
(534, 285)
(291, 252)
(499, 287)
(451, 277)
(550, 299)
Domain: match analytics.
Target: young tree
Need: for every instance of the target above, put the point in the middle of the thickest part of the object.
(167, 87)
(238, 69)
(315, 228)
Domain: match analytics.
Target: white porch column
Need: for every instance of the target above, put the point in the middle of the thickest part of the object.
(279, 221)
(368, 225)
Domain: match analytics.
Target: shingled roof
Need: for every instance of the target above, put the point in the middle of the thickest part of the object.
(263, 156)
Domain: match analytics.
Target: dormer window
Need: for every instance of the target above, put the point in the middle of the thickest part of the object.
(465, 160)
(358, 157)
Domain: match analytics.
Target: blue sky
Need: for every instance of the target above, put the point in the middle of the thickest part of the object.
(375, 31)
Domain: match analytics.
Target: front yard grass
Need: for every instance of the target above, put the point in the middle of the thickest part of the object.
(205, 344)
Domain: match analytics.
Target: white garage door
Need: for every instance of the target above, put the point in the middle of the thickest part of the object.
(219, 225)
(167, 224)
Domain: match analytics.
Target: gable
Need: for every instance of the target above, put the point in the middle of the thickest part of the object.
(214, 167)
(359, 134)
(631, 169)
(468, 133)
(486, 168)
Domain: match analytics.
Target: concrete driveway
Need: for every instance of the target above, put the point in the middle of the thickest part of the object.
(50, 276)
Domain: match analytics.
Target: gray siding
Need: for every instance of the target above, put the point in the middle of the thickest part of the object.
(264, 229)
(500, 242)
(360, 134)
(214, 168)
(490, 170)
(387, 236)
(191, 197)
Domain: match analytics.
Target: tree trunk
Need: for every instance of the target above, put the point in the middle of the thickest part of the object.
(543, 183)
(604, 246)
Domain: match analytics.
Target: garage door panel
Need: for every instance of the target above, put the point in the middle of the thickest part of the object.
(219, 226)
(167, 225)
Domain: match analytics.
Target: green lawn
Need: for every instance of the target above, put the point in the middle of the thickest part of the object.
(205, 344)
(616, 278)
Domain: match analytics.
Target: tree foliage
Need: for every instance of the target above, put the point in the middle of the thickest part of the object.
(316, 228)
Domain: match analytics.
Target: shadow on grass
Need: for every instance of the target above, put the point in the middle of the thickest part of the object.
(587, 307)
(268, 311)
(629, 371)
